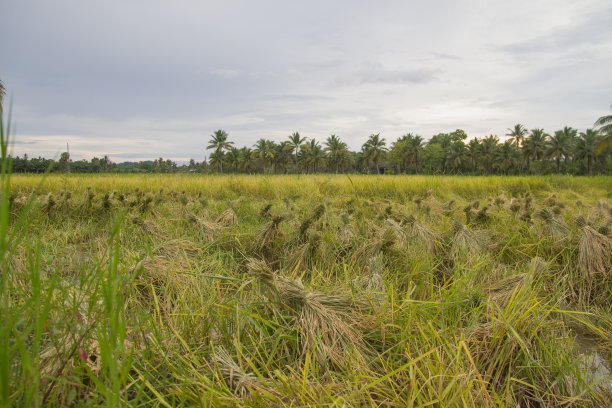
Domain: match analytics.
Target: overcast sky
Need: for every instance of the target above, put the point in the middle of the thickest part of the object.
(139, 79)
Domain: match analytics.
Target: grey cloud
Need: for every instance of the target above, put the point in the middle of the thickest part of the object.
(377, 74)
(444, 56)
(593, 29)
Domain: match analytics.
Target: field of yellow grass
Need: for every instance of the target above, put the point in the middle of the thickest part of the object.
(306, 290)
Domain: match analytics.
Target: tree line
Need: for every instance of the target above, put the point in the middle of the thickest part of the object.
(524, 152)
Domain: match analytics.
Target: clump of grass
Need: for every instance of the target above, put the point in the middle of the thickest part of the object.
(603, 209)
(89, 198)
(268, 232)
(209, 230)
(145, 204)
(552, 226)
(265, 211)
(303, 255)
(482, 216)
(501, 199)
(183, 199)
(515, 205)
(381, 240)
(466, 241)
(106, 202)
(423, 236)
(239, 381)
(331, 326)
(469, 213)
(227, 218)
(372, 279)
(308, 221)
(594, 260)
(158, 198)
(49, 203)
(551, 200)
(417, 200)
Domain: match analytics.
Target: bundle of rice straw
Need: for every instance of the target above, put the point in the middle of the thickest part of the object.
(331, 326)
(239, 381)
(227, 218)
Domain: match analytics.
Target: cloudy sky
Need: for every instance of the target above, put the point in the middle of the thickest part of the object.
(139, 79)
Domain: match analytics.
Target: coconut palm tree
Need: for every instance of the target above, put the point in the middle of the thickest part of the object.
(586, 146)
(313, 154)
(336, 150)
(233, 158)
(414, 144)
(374, 149)
(296, 141)
(517, 133)
(488, 146)
(535, 145)
(560, 144)
(604, 127)
(264, 150)
(506, 155)
(457, 155)
(247, 162)
(218, 143)
(282, 155)
(474, 148)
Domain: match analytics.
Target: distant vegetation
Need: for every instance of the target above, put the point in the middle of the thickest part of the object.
(524, 152)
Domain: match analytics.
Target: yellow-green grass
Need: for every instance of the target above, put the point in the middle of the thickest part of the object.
(311, 290)
(279, 186)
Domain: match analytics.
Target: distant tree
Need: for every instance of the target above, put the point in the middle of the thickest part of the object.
(414, 144)
(517, 133)
(192, 165)
(282, 155)
(216, 159)
(560, 144)
(247, 162)
(313, 155)
(488, 146)
(232, 158)
(444, 140)
(506, 155)
(433, 156)
(296, 141)
(473, 148)
(64, 162)
(537, 143)
(586, 146)
(336, 151)
(374, 149)
(457, 155)
(604, 128)
(458, 135)
(219, 142)
(398, 154)
(264, 151)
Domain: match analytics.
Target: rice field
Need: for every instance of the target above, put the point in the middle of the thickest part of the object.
(294, 291)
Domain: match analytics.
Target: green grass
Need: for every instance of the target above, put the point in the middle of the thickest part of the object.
(151, 296)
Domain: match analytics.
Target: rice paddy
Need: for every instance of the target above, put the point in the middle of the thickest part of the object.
(318, 290)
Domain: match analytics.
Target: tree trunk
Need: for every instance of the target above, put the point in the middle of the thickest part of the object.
(589, 164)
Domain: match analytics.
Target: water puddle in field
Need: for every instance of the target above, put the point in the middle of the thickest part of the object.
(595, 361)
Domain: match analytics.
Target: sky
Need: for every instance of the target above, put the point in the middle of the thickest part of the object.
(140, 79)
